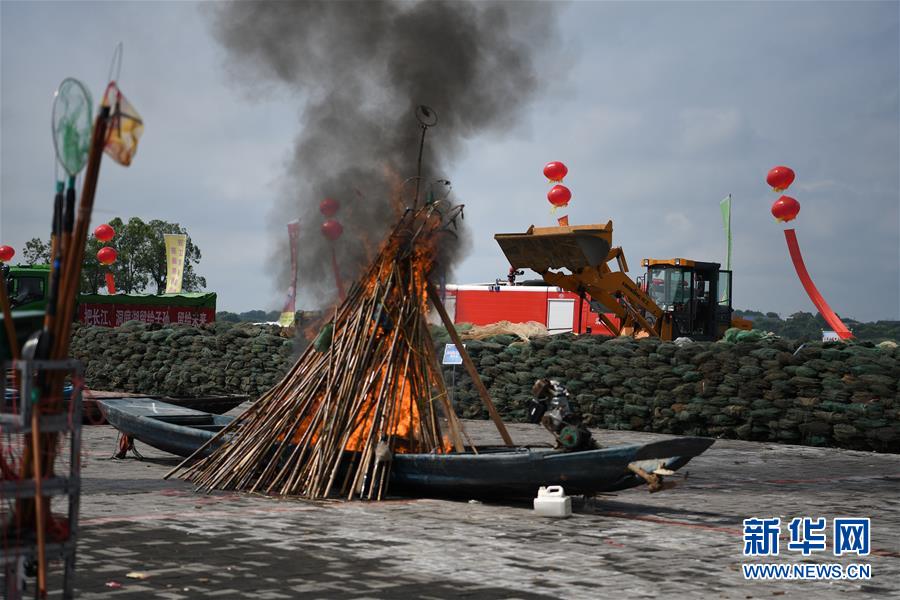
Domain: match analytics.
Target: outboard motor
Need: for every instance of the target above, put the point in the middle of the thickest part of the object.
(550, 407)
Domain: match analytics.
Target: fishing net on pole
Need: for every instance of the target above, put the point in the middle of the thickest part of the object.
(369, 387)
(125, 126)
(72, 123)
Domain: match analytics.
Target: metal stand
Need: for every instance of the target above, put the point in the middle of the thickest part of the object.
(15, 419)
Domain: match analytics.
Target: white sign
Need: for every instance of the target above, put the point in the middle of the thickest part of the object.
(452, 355)
(830, 336)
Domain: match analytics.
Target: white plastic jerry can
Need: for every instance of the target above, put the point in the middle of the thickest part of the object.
(552, 501)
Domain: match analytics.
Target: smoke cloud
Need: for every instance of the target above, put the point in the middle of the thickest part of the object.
(361, 68)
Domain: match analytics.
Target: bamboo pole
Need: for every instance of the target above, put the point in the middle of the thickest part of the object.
(74, 249)
(467, 362)
(40, 504)
(320, 432)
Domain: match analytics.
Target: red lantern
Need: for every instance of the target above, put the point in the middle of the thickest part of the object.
(329, 207)
(332, 229)
(7, 253)
(780, 178)
(559, 195)
(104, 233)
(555, 171)
(785, 209)
(107, 255)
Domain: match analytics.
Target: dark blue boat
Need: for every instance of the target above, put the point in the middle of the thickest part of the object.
(492, 472)
(167, 427)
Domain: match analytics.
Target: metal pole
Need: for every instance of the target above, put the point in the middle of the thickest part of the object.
(453, 385)
(419, 166)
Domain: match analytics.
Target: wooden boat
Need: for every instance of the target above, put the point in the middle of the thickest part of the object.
(92, 415)
(211, 404)
(492, 472)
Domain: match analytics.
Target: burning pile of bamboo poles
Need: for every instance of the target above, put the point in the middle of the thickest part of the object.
(369, 387)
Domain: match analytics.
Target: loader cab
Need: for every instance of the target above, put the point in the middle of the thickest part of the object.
(696, 294)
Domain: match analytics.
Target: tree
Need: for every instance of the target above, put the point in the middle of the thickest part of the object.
(36, 252)
(254, 316)
(132, 243)
(156, 258)
(228, 317)
(141, 258)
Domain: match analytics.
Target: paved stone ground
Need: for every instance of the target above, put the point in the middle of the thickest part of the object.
(681, 543)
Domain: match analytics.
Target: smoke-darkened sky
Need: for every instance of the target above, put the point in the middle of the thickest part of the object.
(658, 109)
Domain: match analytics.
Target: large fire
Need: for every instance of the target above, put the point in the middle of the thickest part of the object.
(369, 387)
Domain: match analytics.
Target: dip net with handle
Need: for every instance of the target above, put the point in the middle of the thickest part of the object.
(369, 387)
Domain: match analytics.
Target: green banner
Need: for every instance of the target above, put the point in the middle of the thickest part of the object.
(184, 299)
(725, 206)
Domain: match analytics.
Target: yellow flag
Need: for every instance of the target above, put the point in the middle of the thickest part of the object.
(176, 246)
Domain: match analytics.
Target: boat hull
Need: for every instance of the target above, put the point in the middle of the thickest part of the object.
(492, 473)
(520, 472)
(218, 405)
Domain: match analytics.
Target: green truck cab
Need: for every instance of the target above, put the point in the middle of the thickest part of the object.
(27, 286)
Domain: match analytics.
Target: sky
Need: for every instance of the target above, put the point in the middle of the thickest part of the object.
(659, 110)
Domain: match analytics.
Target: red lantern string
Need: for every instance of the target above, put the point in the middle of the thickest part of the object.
(7, 253)
(780, 178)
(104, 233)
(559, 195)
(338, 282)
(329, 207)
(785, 209)
(110, 283)
(555, 171)
(107, 255)
(332, 229)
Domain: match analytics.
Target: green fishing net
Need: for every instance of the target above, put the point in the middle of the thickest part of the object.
(72, 123)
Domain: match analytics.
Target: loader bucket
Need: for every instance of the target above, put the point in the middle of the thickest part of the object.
(541, 249)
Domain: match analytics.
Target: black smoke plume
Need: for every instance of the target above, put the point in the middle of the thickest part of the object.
(361, 68)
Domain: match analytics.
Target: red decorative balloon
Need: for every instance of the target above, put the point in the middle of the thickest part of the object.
(559, 195)
(555, 171)
(107, 255)
(780, 178)
(785, 209)
(7, 253)
(104, 233)
(332, 229)
(329, 207)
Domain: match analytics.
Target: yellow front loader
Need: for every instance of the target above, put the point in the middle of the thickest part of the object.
(675, 298)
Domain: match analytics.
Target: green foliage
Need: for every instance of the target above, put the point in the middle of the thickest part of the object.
(130, 269)
(878, 331)
(804, 326)
(156, 257)
(141, 258)
(36, 252)
(250, 316)
(141, 261)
